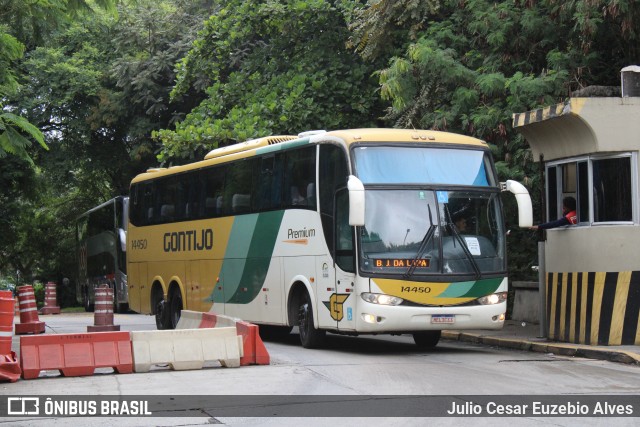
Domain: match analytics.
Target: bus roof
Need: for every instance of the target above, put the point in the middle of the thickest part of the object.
(348, 137)
(352, 136)
(101, 206)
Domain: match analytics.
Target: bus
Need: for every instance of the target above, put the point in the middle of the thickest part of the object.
(101, 236)
(350, 232)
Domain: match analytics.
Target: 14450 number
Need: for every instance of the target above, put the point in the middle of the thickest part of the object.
(416, 289)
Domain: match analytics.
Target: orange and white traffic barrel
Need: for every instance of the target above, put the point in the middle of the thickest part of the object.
(29, 321)
(9, 366)
(50, 300)
(103, 311)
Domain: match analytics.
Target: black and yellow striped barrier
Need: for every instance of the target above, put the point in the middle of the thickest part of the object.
(600, 308)
(541, 114)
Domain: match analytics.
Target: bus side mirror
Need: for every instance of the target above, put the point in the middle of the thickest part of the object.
(525, 211)
(356, 201)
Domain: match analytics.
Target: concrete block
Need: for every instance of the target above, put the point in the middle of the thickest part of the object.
(185, 349)
(526, 302)
(254, 350)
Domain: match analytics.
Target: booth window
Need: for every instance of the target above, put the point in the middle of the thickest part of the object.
(603, 187)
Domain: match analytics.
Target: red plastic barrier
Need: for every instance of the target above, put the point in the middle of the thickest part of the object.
(103, 312)
(9, 367)
(255, 353)
(29, 322)
(50, 299)
(76, 354)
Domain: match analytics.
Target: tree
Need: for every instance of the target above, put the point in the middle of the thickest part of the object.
(276, 67)
(96, 88)
(28, 22)
(467, 66)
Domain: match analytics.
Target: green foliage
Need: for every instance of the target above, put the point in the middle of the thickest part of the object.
(38, 292)
(468, 66)
(12, 141)
(95, 88)
(278, 67)
(384, 24)
(11, 50)
(28, 23)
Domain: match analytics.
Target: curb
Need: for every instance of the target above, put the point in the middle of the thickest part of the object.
(561, 349)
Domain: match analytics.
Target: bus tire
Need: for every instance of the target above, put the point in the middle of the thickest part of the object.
(116, 306)
(427, 339)
(161, 314)
(310, 337)
(88, 307)
(175, 308)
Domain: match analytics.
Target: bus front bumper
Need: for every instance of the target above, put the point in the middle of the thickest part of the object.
(374, 318)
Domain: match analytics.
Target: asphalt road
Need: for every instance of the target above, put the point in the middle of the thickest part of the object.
(348, 367)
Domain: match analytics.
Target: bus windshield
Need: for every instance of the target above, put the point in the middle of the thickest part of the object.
(424, 230)
(409, 165)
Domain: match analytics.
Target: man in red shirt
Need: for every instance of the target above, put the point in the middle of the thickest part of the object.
(569, 216)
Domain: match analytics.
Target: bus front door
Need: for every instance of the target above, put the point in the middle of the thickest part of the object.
(342, 300)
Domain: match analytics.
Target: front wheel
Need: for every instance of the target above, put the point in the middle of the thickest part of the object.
(427, 339)
(310, 337)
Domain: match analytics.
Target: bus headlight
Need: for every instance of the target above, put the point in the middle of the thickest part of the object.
(496, 298)
(381, 299)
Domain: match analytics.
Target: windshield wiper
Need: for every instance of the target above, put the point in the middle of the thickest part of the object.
(422, 248)
(465, 249)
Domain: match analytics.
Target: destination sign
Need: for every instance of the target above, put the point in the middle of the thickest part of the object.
(401, 263)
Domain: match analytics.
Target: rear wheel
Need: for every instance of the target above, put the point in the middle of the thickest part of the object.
(160, 306)
(175, 308)
(427, 339)
(161, 314)
(310, 337)
(88, 307)
(116, 305)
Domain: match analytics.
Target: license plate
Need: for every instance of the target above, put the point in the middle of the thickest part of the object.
(443, 318)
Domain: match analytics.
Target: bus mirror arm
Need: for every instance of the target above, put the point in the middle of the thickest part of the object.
(356, 201)
(523, 199)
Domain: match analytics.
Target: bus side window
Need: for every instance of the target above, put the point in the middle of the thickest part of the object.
(237, 188)
(267, 183)
(213, 187)
(300, 177)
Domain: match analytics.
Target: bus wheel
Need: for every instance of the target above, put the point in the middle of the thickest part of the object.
(310, 337)
(116, 306)
(161, 314)
(175, 308)
(427, 339)
(88, 307)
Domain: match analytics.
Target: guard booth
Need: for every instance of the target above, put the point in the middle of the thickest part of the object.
(589, 147)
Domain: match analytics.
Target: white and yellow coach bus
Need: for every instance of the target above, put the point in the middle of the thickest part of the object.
(362, 231)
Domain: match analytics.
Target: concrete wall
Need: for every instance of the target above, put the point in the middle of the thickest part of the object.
(593, 248)
(585, 126)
